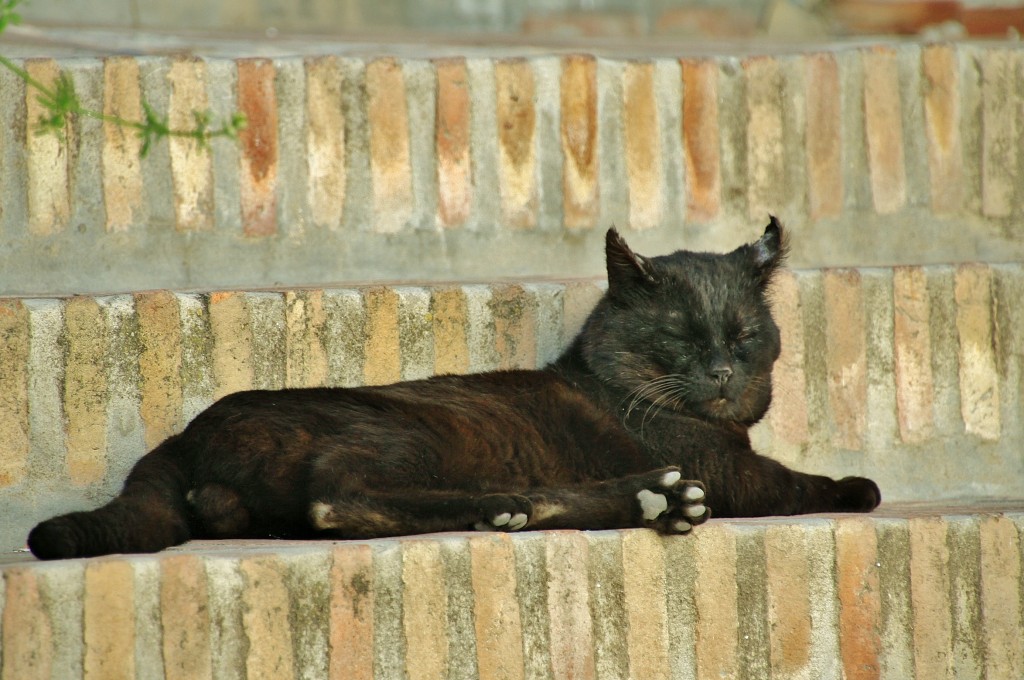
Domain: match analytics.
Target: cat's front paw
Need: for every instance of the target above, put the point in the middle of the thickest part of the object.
(858, 494)
(671, 504)
(504, 512)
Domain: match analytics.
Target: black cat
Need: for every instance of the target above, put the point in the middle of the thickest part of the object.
(660, 387)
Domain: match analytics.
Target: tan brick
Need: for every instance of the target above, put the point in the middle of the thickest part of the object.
(305, 327)
(122, 168)
(716, 602)
(108, 620)
(14, 425)
(390, 161)
(191, 166)
(185, 618)
(701, 139)
(942, 126)
(999, 134)
(860, 605)
(846, 356)
(572, 645)
(929, 593)
(233, 364)
(159, 364)
(258, 144)
(766, 166)
(642, 139)
(27, 631)
(517, 153)
(578, 301)
(454, 163)
(883, 123)
(643, 578)
(788, 415)
(913, 355)
(515, 326)
(424, 610)
(46, 158)
(499, 630)
(265, 611)
(580, 174)
(382, 355)
(451, 348)
(824, 136)
(1001, 598)
(979, 379)
(352, 599)
(789, 613)
(85, 391)
(325, 141)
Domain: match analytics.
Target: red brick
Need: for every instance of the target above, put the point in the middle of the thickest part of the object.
(706, 22)
(382, 354)
(499, 629)
(913, 354)
(265, 611)
(824, 136)
(122, 168)
(390, 162)
(996, 22)
(259, 146)
(352, 598)
(1001, 597)
(191, 166)
(846, 356)
(325, 141)
(789, 606)
(979, 379)
(515, 327)
(517, 155)
(942, 126)
(424, 610)
(883, 111)
(572, 646)
(159, 364)
(788, 414)
(643, 577)
(590, 23)
(701, 139)
(184, 616)
(452, 137)
(903, 16)
(766, 163)
(451, 348)
(579, 141)
(27, 630)
(108, 620)
(860, 604)
(642, 138)
(929, 590)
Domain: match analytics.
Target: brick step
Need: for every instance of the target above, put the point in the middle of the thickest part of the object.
(910, 591)
(363, 164)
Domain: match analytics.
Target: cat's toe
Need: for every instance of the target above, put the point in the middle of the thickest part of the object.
(858, 494)
(504, 512)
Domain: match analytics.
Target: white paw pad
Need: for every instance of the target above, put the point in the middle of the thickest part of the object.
(652, 504)
(505, 520)
(669, 479)
(693, 494)
(682, 527)
(695, 510)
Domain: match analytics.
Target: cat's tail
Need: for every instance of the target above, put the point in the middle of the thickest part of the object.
(149, 515)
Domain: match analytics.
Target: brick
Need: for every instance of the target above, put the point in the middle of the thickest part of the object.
(15, 337)
(979, 379)
(642, 139)
(325, 141)
(716, 602)
(905, 17)
(701, 139)
(346, 340)
(191, 166)
(860, 601)
(185, 619)
(85, 391)
(643, 577)
(499, 630)
(929, 592)
(824, 136)
(578, 301)
(390, 160)
(305, 327)
(265, 611)
(789, 413)
(480, 329)
(571, 629)
(352, 600)
(915, 392)
(789, 612)
(159, 364)
(589, 22)
(883, 124)
(415, 330)
(580, 173)
(27, 633)
(122, 168)
(382, 352)
(517, 153)
(515, 326)
(766, 163)
(46, 158)
(987, 20)
(999, 133)
(942, 127)
(693, 21)
(846, 356)
(108, 620)
(425, 608)
(448, 311)
(1001, 588)
(258, 145)
(233, 369)
(452, 138)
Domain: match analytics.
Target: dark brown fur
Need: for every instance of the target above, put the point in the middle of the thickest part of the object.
(661, 386)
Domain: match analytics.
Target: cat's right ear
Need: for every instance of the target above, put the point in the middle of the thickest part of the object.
(625, 268)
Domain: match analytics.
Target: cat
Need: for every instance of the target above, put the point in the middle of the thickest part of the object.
(642, 422)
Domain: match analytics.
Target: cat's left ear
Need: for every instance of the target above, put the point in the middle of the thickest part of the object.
(769, 251)
(625, 268)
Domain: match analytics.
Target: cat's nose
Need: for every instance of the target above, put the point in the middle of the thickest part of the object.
(721, 373)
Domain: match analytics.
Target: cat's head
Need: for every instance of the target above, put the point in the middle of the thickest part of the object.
(690, 332)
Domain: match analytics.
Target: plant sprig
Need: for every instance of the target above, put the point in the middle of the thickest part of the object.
(62, 103)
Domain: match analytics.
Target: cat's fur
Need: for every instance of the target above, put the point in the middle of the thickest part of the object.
(669, 372)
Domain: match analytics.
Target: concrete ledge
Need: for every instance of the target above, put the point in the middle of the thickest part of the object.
(907, 592)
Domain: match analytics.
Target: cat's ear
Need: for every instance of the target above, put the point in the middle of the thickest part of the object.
(625, 268)
(769, 251)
